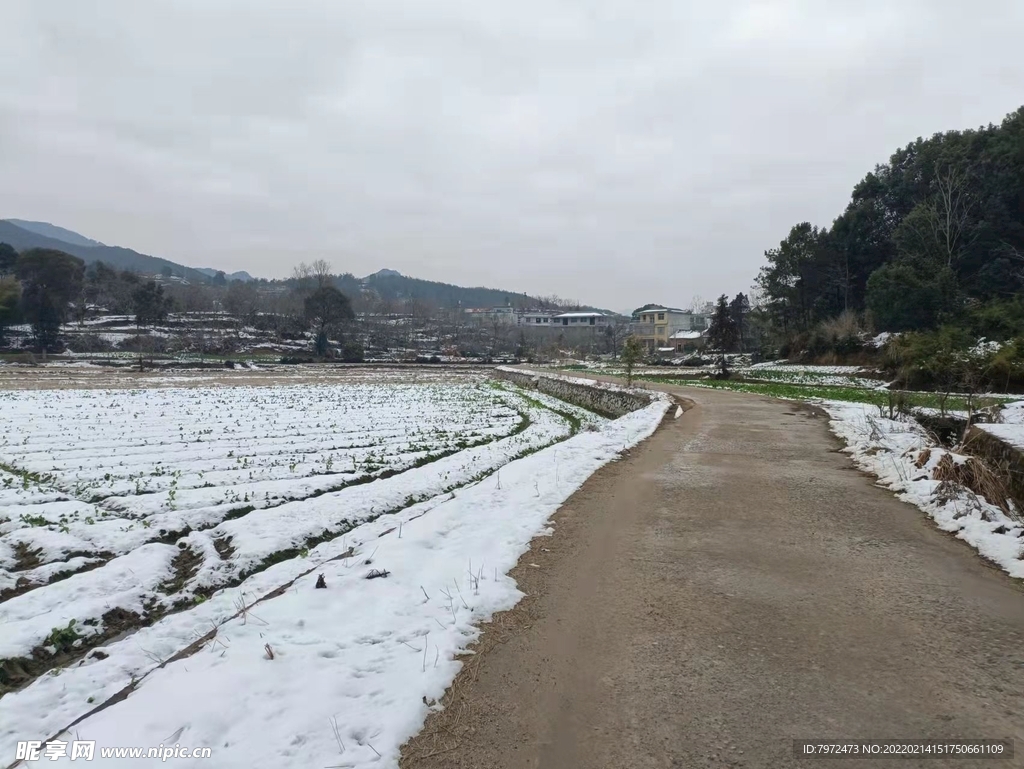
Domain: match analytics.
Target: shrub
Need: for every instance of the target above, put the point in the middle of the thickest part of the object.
(903, 297)
(143, 343)
(90, 343)
(352, 352)
(950, 360)
(835, 338)
(999, 319)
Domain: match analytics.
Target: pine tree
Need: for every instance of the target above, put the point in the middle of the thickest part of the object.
(722, 334)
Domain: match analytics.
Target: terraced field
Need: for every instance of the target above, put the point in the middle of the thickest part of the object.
(140, 526)
(117, 506)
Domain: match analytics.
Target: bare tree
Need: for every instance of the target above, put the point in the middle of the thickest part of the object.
(310, 277)
(952, 211)
(941, 225)
(320, 271)
(615, 332)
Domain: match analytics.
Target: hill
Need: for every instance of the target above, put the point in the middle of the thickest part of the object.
(241, 275)
(120, 258)
(391, 285)
(48, 230)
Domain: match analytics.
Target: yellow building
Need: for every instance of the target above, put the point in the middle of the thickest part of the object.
(656, 326)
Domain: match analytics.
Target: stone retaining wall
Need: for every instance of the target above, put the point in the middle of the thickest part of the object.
(600, 398)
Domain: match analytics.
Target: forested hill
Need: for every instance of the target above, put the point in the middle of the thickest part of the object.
(113, 256)
(933, 234)
(392, 286)
(388, 286)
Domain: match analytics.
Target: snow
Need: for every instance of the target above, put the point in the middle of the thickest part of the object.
(807, 369)
(881, 340)
(1009, 426)
(890, 450)
(1012, 413)
(363, 656)
(1013, 434)
(277, 515)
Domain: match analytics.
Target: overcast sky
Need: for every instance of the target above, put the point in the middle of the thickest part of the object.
(614, 151)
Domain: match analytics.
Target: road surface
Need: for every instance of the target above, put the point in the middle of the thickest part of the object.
(732, 585)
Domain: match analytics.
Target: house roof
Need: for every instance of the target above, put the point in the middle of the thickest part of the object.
(665, 309)
(581, 315)
(687, 335)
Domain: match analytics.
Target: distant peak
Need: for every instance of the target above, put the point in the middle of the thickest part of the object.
(386, 273)
(62, 234)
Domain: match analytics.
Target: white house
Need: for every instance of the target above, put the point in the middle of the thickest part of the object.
(580, 319)
(535, 319)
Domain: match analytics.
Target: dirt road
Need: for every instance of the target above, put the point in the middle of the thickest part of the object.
(733, 585)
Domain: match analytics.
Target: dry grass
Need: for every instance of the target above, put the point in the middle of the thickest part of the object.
(976, 476)
(923, 458)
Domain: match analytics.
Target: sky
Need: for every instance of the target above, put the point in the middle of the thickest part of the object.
(611, 151)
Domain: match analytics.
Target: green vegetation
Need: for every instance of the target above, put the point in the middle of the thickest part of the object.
(49, 282)
(632, 353)
(63, 638)
(834, 393)
(932, 238)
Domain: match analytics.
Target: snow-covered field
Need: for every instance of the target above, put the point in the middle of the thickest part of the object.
(771, 371)
(1010, 425)
(135, 522)
(839, 376)
(904, 458)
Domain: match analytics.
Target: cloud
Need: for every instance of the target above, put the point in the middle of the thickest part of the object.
(614, 152)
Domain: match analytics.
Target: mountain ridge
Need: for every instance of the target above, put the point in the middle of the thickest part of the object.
(388, 284)
(55, 232)
(115, 256)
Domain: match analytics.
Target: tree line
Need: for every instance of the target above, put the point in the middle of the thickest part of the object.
(933, 237)
(46, 288)
(337, 315)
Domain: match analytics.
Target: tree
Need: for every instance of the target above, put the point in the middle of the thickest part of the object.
(10, 294)
(325, 307)
(723, 333)
(633, 352)
(50, 280)
(739, 308)
(320, 270)
(614, 333)
(220, 279)
(902, 297)
(309, 277)
(943, 213)
(242, 301)
(150, 304)
(8, 259)
(151, 307)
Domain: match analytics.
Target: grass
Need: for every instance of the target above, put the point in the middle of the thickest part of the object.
(834, 393)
